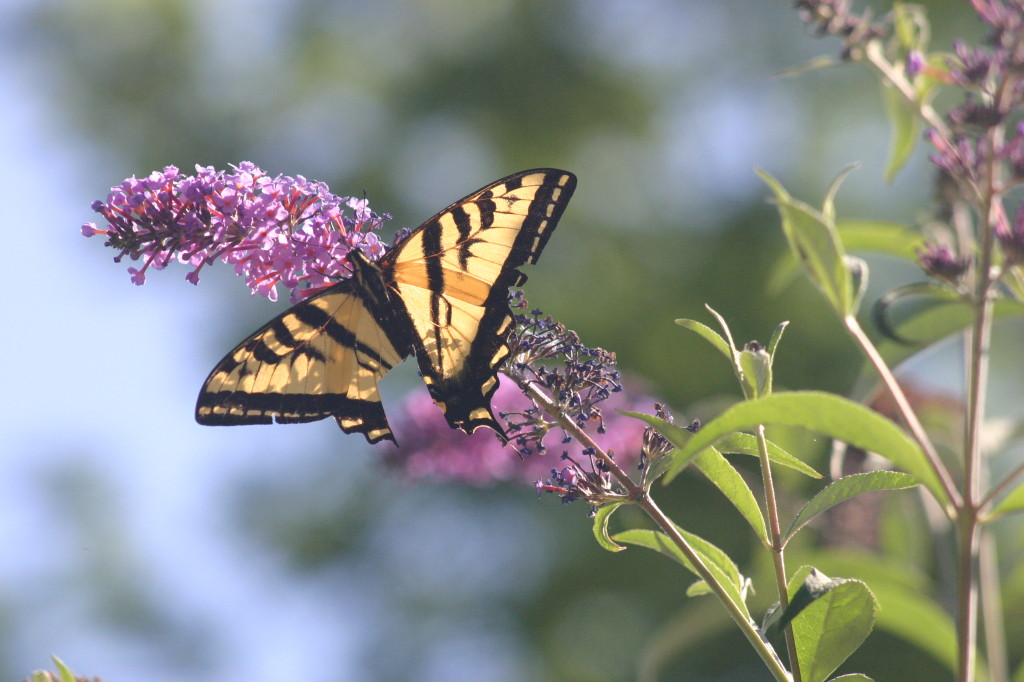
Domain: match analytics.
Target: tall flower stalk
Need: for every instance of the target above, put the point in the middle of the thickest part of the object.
(977, 147)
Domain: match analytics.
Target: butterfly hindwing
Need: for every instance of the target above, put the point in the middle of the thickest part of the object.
(320, 358)
(452, 276)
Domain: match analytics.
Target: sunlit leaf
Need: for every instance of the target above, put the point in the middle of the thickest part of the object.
(832, 626)
(746, 444)
(718, 563)
(845, 488)
(709, 335)
(905, 129)
(1013, 502)
(826, 413)
(813, 240)
(725, 477)
(601, 519)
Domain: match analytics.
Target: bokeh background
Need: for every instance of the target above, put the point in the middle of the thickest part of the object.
(138, 545)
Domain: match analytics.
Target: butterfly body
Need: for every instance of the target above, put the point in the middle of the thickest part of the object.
(440, 294)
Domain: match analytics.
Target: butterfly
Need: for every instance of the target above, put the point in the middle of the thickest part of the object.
(440, 294)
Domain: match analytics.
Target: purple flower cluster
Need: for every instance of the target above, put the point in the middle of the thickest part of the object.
(581, 384)
(273, 230)
(578, 381)
(835, 18)
(434, 451)
(941, 262)
(983, 152)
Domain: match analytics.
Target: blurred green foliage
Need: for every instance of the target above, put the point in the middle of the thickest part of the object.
(662, 108)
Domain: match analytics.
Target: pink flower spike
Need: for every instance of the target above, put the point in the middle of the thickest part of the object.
(271, 229)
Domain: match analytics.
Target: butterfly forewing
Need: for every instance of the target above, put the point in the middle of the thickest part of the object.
(453, 276)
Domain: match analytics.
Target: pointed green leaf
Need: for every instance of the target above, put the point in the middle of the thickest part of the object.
(904, 611)
(756, 367)
(698, 589)
(828, 206)
(601, 518)
(814, 64)
(812, 237)
(746, 444)
(845, 488)
(905, 129)
(728, 480)
(871, 236)
(773, 345)
(725, 331)
(858, 269)
(905, 28)
(832, 626)
(64, 672)
(709, 335)
(718, 563)
(876, 236)
(826, 413)
(932, 318)
(1011, 503)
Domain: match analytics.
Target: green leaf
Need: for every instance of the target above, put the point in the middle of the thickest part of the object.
(813, 239)
(828, 206)
(852, 677)
(725, 330)
(746, 444)
(858, 269)
(877, 236)
(1012, 502)
(935, 317)
(871, 236)
(845, 488)
(63, 671)
(826, 413)
(905, 28)
(722, 474)
(709, 335)
(601, 518)
(904, 613)
(756, 372)
(906, 129)
(699, 588)
(773, 345)
(718, 563)
(813, 64)
(836, 622)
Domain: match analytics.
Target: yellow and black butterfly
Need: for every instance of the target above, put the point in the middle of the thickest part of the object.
(440, 294)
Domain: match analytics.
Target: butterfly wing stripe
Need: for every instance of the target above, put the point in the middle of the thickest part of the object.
(324, 321)
(451, 277)
(306, 365)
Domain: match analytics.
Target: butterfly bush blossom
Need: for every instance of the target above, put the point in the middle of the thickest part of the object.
(979, 145)
(585, 386)
(293, 231)
(273, 230)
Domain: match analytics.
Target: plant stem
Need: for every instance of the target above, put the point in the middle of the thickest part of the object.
(906, 411)
(967, 595)
(778, 558)
(992, 609)
(874, 53)
(990, 212)
(643, 499)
